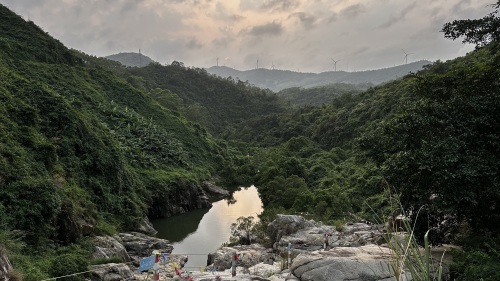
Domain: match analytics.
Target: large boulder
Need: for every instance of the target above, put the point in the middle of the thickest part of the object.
(370, 262)
(108, 247)
(250, 255)
(213, 191)
(306, 235)
(139, 245)
(5, 265)
(286, 225)
(112, 272)
(308, 238)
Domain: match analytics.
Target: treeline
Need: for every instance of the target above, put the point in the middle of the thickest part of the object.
(317, 96)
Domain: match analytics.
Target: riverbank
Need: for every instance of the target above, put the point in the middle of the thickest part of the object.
(358, 252)
(199, 232)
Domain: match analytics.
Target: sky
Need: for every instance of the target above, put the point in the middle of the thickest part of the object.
(297, 35)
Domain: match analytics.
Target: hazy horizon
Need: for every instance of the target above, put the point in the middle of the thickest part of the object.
(295, 35)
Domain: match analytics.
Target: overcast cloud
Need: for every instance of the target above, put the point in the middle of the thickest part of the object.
(298, 35)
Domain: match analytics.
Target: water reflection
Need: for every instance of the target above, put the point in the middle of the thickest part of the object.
(212, 228)
(185, 224)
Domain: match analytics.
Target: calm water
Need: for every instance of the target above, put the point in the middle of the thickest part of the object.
(200, 232)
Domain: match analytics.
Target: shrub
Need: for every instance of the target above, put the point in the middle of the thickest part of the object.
(68, 264)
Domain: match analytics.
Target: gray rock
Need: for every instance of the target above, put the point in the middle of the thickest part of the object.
(108, 247)
(355, 227)
(215, 192)
(139, 245)
(286, 225)
(308, 238)
(112, 272)
(146, 227)
(369, 262)
(250, 255)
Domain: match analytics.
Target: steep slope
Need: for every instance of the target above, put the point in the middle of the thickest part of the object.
(216, 104)
(81, 150)
(277, 80)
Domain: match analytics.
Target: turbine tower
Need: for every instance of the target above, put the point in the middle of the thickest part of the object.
(406, 56)
(217, 61)
(335, 64)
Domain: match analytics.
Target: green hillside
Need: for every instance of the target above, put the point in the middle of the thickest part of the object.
(431, 138)
(319, 95)
(214, 103)
(89, 147)
(80, 148)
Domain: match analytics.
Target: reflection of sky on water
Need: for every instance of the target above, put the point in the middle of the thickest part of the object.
(213, 229)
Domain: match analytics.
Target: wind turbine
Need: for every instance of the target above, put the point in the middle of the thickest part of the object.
(217, 61)
(272, 65)
(406, 56)
(257, 63)
(335, 64)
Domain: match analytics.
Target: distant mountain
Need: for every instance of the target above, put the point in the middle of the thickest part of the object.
(131, 59)
(277, 80)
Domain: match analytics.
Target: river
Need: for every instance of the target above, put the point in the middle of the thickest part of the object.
(199, 232)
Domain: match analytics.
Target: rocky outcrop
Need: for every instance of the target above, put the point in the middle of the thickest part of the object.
(250, 255)
(285, 225)
(106, 247)
(131, 247)
(112, 272)
(5, 265)
(358, 253)
(146, 227)
(139, 245)
(213, 191)
(186, 198)
(370, 262)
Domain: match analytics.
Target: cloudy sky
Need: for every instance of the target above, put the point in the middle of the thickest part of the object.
(298, 35)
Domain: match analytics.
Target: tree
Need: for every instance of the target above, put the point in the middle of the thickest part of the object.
(443, 152)
(241, 230)
(480, 32)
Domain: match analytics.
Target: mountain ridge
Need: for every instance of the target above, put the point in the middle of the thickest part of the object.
(277, 80)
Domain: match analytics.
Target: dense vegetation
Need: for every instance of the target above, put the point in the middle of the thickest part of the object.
(317, 96)
(82, 151)
(431, 138)
(89, 146)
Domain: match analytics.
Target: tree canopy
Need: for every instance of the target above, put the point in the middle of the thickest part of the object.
(480, 32)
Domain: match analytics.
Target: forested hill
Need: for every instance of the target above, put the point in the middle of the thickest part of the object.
(131, 59)
(430, 139)
(277, 80)
(320, 95)
(89, 147)
(215, 103)
(82, 151)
